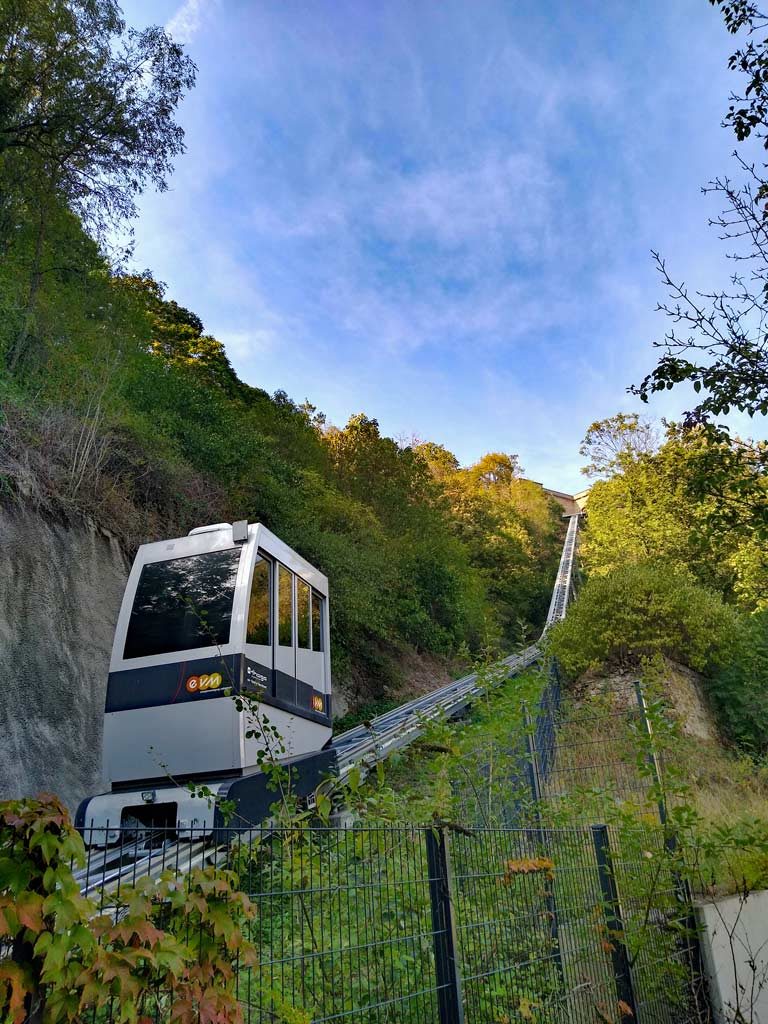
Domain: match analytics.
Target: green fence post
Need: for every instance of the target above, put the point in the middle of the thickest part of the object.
(449, 999)
(613, 920)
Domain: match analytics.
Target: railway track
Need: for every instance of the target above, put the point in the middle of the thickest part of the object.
(363, 746)
(366, 744)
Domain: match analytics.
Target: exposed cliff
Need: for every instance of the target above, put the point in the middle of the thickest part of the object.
(60, 592)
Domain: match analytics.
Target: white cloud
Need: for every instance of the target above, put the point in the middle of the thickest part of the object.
(499, 199)
(244, 345)
(317, 217)
(504, 199)
(186, 22)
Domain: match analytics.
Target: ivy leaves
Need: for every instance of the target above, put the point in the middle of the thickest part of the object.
(168, 944)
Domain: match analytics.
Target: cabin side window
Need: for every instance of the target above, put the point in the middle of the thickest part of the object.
(258, 604)
(302, 614)
(317, 621)
(285, 606)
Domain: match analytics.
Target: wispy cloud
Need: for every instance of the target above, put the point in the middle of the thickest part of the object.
(186, 22)
(503, 199)
(247, 344)
(442, 214)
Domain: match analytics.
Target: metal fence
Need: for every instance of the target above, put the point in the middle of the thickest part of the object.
(580, 756)
(401, 925)
(592, 757)
(599, 744)
(504, 921)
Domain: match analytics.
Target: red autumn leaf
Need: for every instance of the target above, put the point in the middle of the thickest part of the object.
(16, 991)
(208, 1009)
(135, 933)
(183, 1011)
(29, 910)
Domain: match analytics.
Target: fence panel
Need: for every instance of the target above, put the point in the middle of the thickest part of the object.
(344, 927)
(403, 925)
(662, 946)
(515, 966)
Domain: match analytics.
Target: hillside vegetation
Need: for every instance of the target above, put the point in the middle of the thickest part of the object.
(674, 552)
(117, 404)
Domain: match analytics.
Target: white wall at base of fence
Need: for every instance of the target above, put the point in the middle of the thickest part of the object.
(734, 946)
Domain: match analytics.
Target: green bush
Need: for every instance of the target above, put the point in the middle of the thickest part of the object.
(639, 611)
(738, 688)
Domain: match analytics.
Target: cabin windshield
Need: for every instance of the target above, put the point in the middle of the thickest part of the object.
(183, 603)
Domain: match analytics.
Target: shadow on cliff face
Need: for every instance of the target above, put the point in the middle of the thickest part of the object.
(60, 592)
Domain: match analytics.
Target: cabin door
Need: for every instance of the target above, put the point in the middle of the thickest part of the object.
(310, 660)
(260, 631)
(285, 646)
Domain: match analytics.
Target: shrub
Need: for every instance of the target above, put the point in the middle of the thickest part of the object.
(163, 944)
(738, 687)
(637, 611)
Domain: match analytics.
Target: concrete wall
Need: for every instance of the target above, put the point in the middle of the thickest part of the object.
(566, 501)
(571, 504)
(60, 592)
(735, 951)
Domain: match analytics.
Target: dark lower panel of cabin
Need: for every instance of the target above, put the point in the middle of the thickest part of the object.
(176, 683)
(209, 678)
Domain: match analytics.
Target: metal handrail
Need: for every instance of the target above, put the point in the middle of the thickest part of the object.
(397, 728)
(364, 745)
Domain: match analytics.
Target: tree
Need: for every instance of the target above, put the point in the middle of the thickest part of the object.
(638, 514)
(377, 470)
(722, 350)
(177, 334)
(442, 464)
(690, 505)
(494, 469)
(86, 119)
(510, 527)
(718, 341)
(611, 443)
(92, 102)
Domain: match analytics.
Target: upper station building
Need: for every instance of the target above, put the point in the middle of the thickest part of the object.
(571, 504)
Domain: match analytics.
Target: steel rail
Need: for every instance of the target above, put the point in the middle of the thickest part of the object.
(144, 861)
(563, 588)
(366, 744)
(363, 745)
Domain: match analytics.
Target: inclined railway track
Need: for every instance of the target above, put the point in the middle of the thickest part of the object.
(366, 744)
(363, 746)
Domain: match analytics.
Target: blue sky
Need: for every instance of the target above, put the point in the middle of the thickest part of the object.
(441, 213)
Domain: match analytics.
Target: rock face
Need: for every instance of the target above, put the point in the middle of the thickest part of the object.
(681, 686)
(60, 592)
(686, 696)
